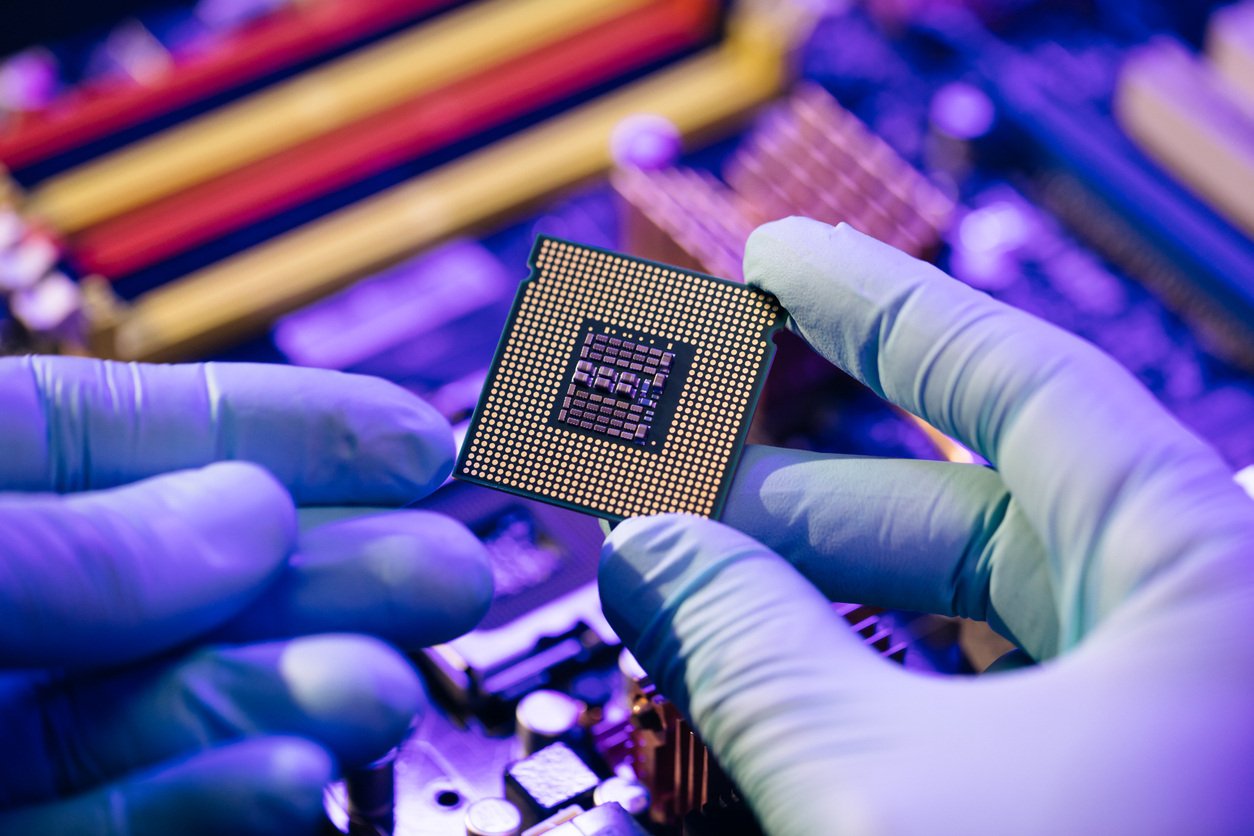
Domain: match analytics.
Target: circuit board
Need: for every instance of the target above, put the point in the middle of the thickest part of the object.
(1061, 157)
(621, 386)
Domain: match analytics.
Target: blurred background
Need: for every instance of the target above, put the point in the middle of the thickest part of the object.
(356, 184)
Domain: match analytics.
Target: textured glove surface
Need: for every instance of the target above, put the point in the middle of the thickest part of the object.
(1107, 541)
(178, 652)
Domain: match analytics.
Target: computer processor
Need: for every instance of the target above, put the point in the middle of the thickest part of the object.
(621, 387)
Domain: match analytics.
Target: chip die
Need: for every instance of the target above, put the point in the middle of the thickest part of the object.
(621, 387)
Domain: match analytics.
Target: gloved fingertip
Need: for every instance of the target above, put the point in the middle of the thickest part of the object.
(433, 450)
(413, 578)
(332, 438)
(427, 557)
(265, 511)
(773, 246)
(467, 587)
(792, 230)
(630, 551)
(634, 544)
(790, 258)
(255, 786)
(757, 464)
(363, 692)
(648, 564)
(403, 434)
(296, 769)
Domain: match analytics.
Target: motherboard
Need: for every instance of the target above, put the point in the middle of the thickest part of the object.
(387, 186)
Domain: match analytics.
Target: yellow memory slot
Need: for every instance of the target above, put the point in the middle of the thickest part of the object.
(424, 58)
(240, 296)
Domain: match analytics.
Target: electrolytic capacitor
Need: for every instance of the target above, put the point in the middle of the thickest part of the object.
(371, 792)
(544, 717)
(493, 817)
(631, 795)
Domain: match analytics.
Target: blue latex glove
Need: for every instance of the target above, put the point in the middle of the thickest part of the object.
(181, 656)
(1108, 541)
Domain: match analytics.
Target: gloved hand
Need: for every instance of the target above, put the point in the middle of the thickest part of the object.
(1108, 541)
(181, 657)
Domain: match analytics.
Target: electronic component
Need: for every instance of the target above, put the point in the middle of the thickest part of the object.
(627, 793)
(316, 103)
(1181, 113)
(229, 52)
(236, 298)
(813, 157)
(493, 817)
(1092, 176)
(602, 820)
(545, 622)
(550, 780)
(809, 157)
(671, 761)
(419, 126)
(370, 794)
(544, 717)
(685, 217)
(621, 387)
(410, 324)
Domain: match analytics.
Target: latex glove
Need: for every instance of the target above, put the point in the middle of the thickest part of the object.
(124, 547)
(1108, 535)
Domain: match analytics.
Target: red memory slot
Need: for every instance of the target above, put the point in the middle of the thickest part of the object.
(429, 122)
(299, 32)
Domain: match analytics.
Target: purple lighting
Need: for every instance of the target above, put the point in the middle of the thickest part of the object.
(647, 142)
(28, 80)
(962, 111)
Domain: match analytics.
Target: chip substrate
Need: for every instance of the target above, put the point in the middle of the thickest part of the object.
(621, 387)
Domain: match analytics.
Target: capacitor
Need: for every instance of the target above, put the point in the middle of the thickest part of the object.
(631, 795)
(371, 792)
(552, 780)
(493, 817)
(544, 717)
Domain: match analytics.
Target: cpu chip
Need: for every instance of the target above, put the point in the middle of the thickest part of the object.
(621, 387)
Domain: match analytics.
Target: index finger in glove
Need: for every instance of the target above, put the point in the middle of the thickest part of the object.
(109, 576)
(912, 535)
(74, 424)
(412, 578)
(354, 695)
(784, 693)
(1107, 477)
(254, 787)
